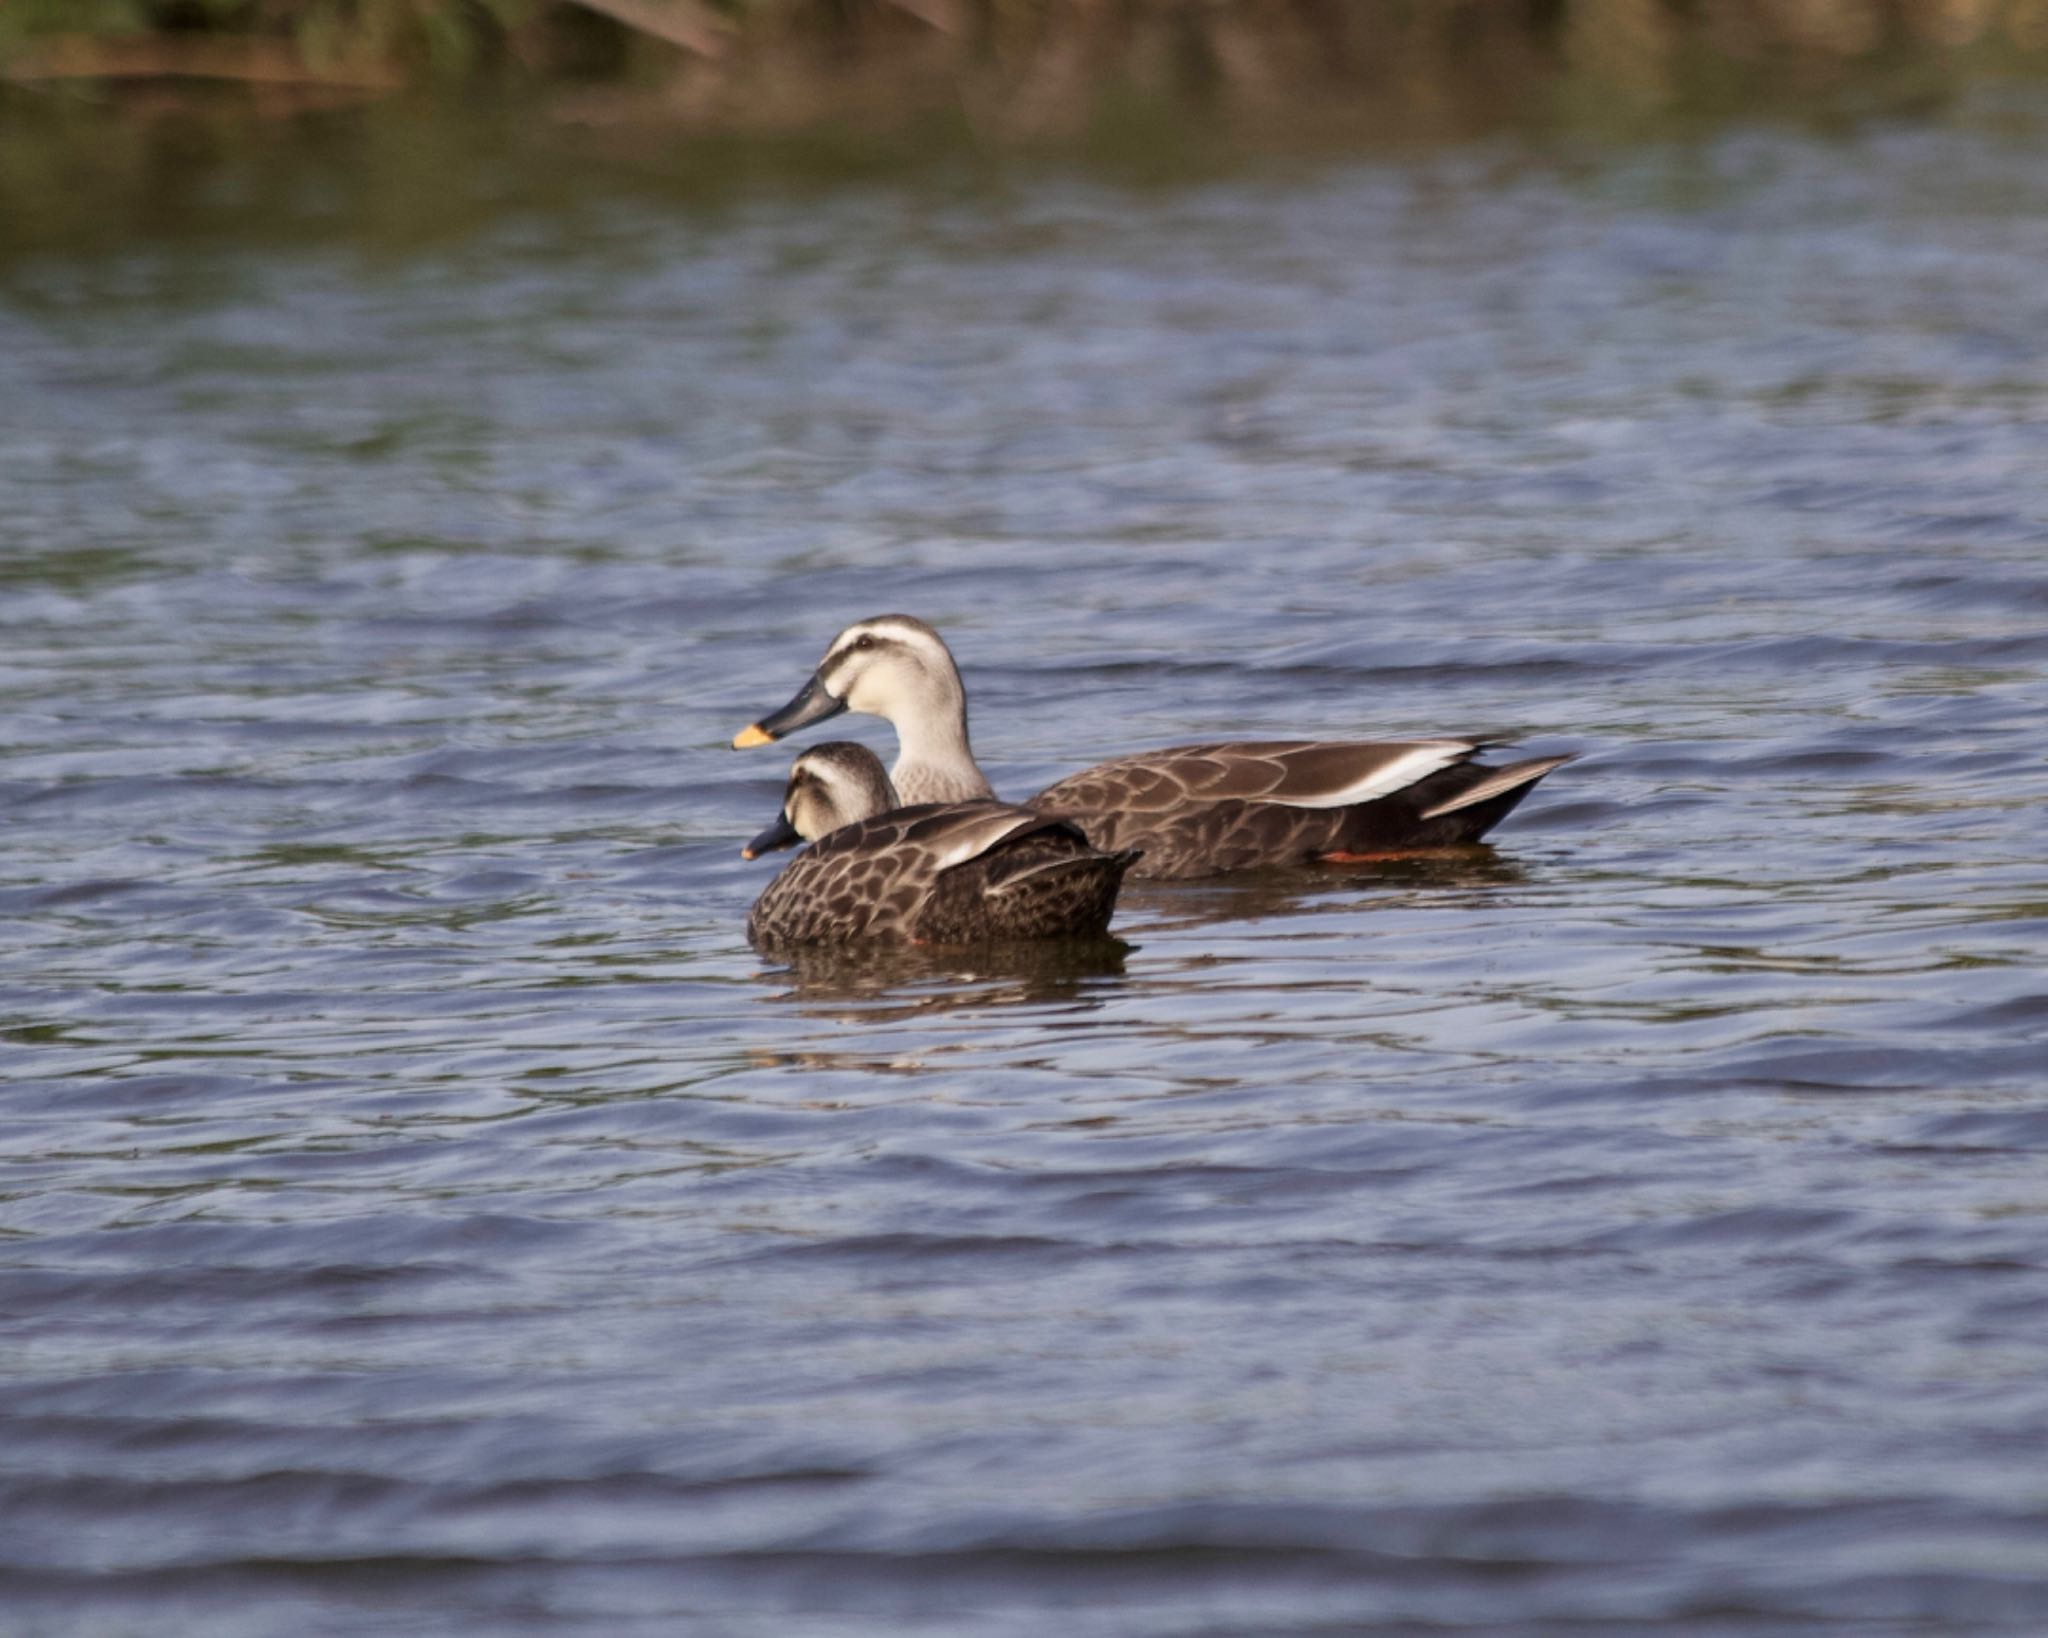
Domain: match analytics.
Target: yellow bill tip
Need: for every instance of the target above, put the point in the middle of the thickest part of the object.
(752, 734)
(746, 853)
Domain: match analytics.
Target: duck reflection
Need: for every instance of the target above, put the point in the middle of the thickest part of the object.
(898, 981)
(1270, 894)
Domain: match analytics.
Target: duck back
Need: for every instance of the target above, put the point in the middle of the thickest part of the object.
(950, 873)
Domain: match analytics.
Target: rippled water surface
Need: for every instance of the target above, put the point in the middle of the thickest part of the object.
(422, 1212)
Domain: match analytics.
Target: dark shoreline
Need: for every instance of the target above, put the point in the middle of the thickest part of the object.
(187, 128)
(1012, 69)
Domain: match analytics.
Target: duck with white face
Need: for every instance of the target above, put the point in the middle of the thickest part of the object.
(952, 873)
(1192, 810)
(898, 668)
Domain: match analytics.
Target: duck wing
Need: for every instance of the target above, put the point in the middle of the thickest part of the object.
(1198, 810)
(1041, 880)
(1301, 773)
(951, 834)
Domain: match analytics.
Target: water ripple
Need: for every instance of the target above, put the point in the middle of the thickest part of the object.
(419, 1208)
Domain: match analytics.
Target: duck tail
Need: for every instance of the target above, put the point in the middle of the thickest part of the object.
(1074, 866)
(1516, 776)
(1073, 897)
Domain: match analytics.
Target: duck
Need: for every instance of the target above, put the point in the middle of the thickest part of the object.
(1191, 810)
(955, 873)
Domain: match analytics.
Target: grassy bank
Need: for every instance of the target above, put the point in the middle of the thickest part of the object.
(1010, 66)
(395, 122)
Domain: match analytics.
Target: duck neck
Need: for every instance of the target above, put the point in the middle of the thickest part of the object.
(934, 762)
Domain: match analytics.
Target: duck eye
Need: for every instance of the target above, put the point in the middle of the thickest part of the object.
(863, 641)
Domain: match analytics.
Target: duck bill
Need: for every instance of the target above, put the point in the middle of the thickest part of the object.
(774, 839)
(814, 703)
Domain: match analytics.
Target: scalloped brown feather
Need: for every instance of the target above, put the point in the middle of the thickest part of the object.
(1202, 810)
(951, 873)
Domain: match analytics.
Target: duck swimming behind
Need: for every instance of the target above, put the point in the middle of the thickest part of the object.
(979, 872)
(1192, 810)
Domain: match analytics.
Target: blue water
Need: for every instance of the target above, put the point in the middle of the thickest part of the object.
(422, 1212)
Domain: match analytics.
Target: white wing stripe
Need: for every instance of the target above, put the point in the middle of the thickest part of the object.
(978, 838)
(1407, 769)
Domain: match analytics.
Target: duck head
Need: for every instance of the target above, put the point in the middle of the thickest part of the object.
(830, 785)
(892, 666)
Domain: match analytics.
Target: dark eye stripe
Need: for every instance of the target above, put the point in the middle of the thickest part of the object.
(837, 656)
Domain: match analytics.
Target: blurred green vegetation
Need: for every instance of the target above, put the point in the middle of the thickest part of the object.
(438, 36)
(768, 62)
(407, 116)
